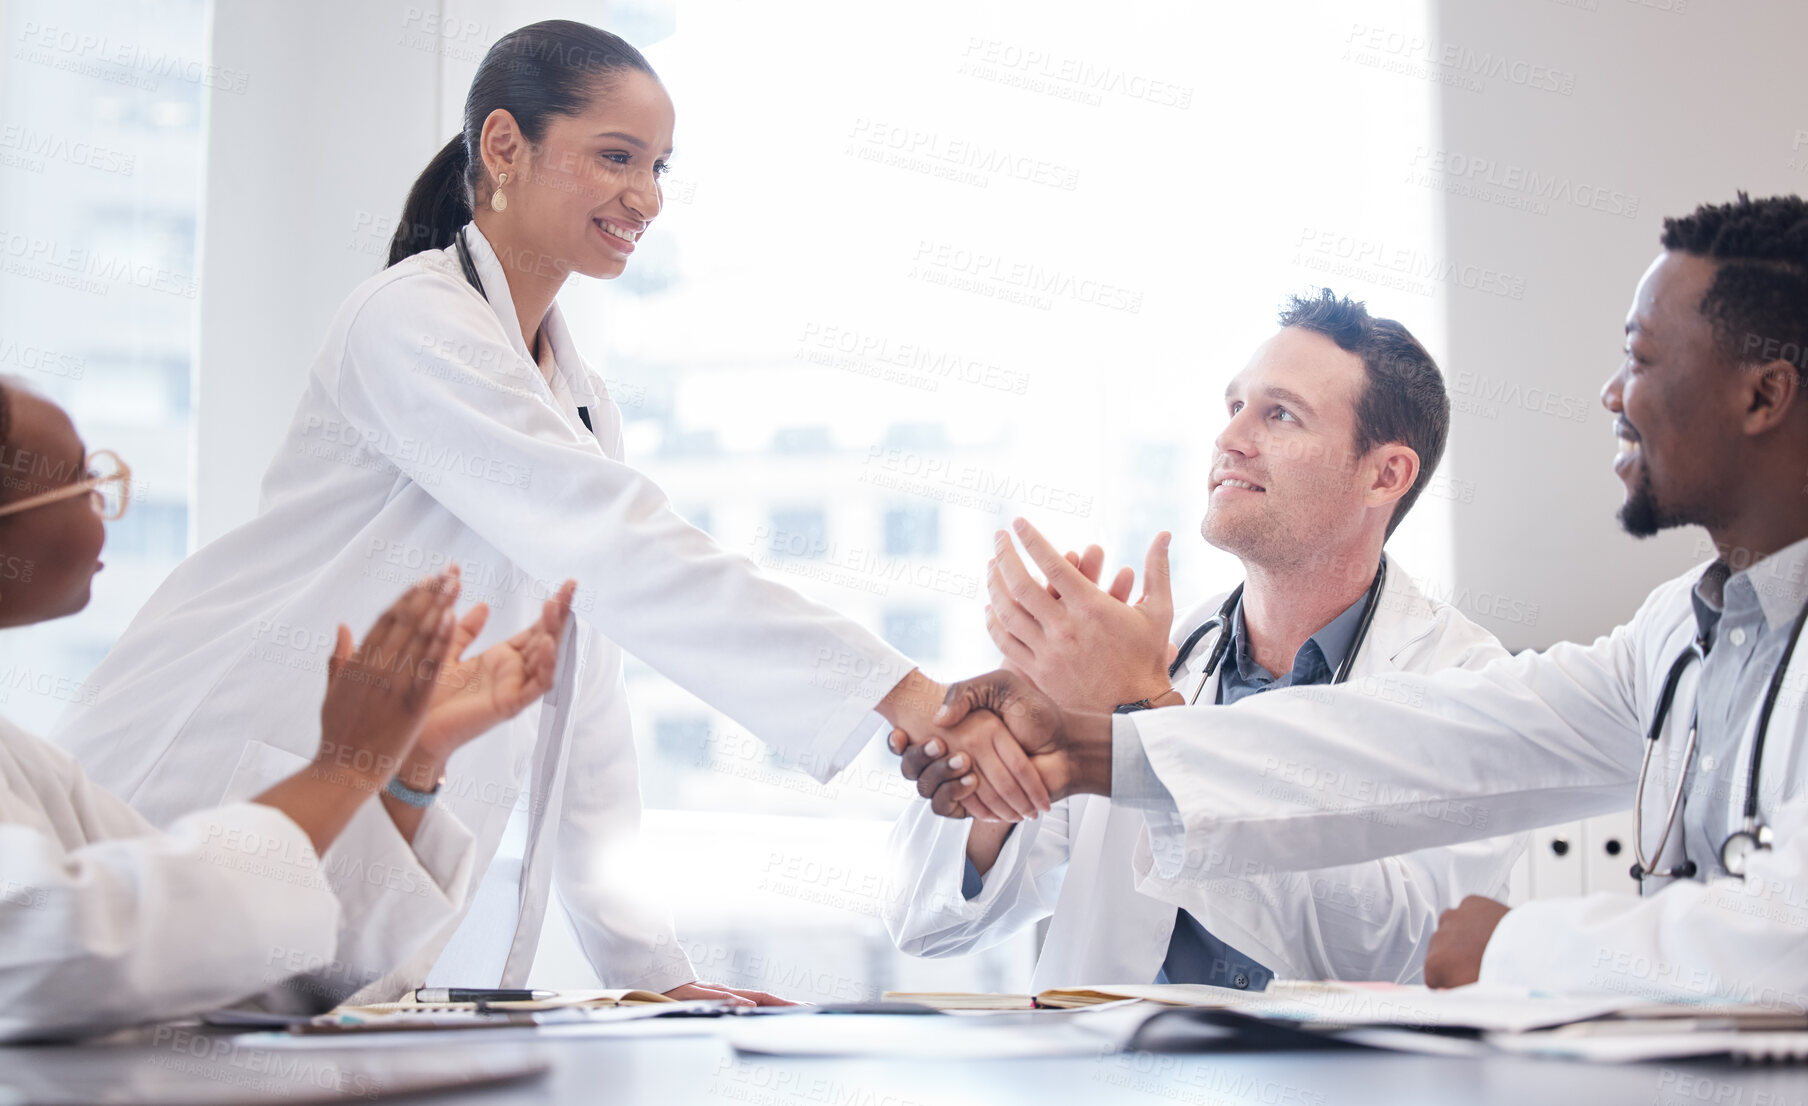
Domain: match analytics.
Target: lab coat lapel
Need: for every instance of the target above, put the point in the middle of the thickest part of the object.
(1188, 679)
(496, 290)
(565, 357)
(1404, 616)
(604, 425)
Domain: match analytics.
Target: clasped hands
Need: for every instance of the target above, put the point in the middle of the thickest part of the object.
(1003, 746)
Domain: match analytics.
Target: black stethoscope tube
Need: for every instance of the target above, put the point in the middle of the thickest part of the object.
(1221, 622)
(1753, 835)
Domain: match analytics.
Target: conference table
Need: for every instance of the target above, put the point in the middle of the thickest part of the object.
(699, 1063)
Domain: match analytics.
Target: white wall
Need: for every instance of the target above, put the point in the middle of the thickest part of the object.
(1673, 108)
(306, 171)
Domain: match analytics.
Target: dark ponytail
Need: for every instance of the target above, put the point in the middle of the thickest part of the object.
(544, 69)
(438, 204)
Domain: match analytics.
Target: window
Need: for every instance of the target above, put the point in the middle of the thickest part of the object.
(913, 529)
(151, 531)
(683, 737)
(100, 155)
(901, 292)
(802, 439)
(799, 532)
(915, 633)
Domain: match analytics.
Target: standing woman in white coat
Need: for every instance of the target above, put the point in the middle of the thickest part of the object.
(448, 418)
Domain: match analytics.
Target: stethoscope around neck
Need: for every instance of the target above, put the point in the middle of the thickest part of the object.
(1221, 623)
(1753, 835)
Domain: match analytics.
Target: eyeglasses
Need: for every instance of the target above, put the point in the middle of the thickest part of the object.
(109, 483)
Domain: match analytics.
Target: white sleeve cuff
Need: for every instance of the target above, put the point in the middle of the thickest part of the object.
(1504, 958)
(1133, 779)
(442, 846)
(393, 897)
(1005, 870)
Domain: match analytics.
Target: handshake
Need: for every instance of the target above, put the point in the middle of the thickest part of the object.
(1003, 746)
(1003, 751)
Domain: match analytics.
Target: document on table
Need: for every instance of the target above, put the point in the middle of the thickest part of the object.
(1478, 1007)
(559, 1000)
(1001, 1036)
(1668, 1031)
(1675, 1044)
(956, 1001)
(566, 1007)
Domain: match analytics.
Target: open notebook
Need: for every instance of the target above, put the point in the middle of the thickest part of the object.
(409, 1014)
(1069, 998)
(562, 1000)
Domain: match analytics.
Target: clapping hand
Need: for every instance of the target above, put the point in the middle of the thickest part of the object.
(476, 693)
(1088, 647)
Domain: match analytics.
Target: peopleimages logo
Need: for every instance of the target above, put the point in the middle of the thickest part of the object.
(1455, 59)
(966, 485)
(1516, 186)
(30, 148)
(954, 157)
(1067, 78)
(88, 54)
(878, 355)
(1408, 269)
(959, 266)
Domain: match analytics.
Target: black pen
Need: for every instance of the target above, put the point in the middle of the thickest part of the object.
(477, 994)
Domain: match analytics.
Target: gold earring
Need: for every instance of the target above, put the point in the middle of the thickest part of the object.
(499, 202)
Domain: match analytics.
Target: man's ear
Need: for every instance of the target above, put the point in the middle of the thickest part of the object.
(1773, 388)
(1395, 466)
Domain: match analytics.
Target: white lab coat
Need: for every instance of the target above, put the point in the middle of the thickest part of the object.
(106, 920)
(428, 435)
(1078, 861)
(1532, 740)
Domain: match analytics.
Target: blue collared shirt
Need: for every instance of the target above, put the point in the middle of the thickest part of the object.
(1315, 663)
(1195, 955)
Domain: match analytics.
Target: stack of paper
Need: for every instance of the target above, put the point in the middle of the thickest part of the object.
(410, 1014)
(1171, 994)
(961, 1000)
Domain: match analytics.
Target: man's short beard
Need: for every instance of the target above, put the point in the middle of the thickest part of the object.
(1640, 514)
(1251, 545)
(1643, 516)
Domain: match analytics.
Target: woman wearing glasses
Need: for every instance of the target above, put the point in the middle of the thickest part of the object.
(100, 911)
(449, 418)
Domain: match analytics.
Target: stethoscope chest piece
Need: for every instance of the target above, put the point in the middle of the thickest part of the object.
(1736, 851)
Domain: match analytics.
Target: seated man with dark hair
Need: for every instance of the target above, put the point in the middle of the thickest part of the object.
(1333, 430)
